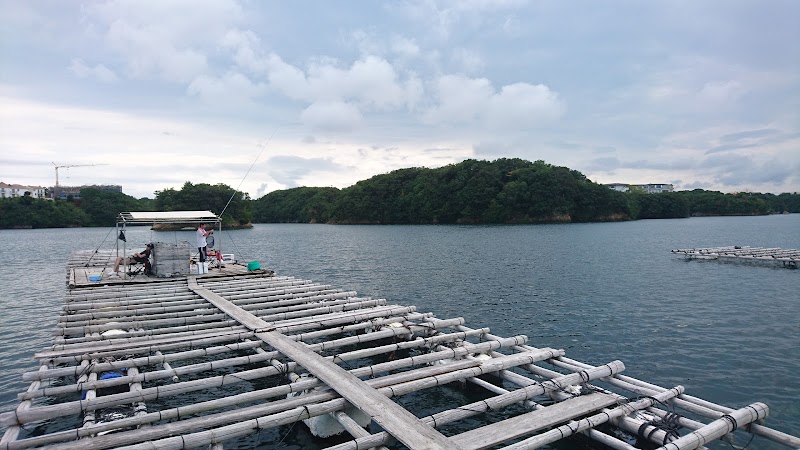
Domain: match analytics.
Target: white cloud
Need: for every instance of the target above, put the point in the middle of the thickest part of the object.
(522, 104)
(721, 91)
(404, 47)
(366, 42)
(462, 100)
(286, 78)
(143, 152)
(481, 77)
(459, 99)
(246, 47)
(231, 88)
(149, 56)
(163, 40)
(370, 83)
(98, 72)
(470, 61)
(332, 116)
(443, 18)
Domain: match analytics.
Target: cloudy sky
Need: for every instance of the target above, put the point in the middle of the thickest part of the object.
(317, 93)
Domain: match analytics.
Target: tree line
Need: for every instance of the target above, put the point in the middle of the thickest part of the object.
(470, 192)
(99, 208)
(501, 191)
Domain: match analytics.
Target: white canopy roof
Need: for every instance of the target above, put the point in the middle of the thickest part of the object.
(168, 217)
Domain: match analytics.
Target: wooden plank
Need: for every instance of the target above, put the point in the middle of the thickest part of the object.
(514, 427)
(395, 419)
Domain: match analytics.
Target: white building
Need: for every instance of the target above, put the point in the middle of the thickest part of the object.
(622, 187)
(653, 188)
(18, 190)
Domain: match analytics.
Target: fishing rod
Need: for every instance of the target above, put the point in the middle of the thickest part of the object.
(263, 147)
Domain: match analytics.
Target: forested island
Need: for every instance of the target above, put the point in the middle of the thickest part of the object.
(501, 191)
(504, 191)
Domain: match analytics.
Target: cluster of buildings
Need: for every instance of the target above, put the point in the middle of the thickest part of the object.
(62, 192)
(653, 188)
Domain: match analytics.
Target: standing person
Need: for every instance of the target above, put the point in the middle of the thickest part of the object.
(201, 241)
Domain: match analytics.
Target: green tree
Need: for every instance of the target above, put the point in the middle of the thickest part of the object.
(103, 207)
(28, 212)
(206, 197)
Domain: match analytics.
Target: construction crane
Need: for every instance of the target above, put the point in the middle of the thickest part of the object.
(55, 189)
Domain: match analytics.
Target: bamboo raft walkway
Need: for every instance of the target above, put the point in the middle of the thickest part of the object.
(774, 257)
(211, 360)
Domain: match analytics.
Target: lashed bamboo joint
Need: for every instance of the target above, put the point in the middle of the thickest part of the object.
(204, 360)
(775, 257)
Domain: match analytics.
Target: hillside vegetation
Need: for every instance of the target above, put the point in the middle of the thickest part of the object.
(501, 191)
(100, 208)
(470, 192)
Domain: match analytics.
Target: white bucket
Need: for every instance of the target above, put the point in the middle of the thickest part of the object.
(205, 267)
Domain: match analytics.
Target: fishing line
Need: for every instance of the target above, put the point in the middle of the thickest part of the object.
(263, 147)
(98, 248)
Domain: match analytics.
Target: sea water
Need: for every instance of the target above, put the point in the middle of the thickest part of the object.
(729, 333)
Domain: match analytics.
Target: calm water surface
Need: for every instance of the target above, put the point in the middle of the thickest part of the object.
(729, 333)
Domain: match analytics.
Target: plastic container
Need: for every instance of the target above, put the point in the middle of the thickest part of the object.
(95, 277)
(253, 265)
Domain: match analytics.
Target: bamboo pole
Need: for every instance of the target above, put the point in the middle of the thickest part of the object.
(359, 325)
(129, 295)
(91, 394)
(126, 343)
(330, 320)
(574, 427)
(684, 401)
(175, 332)
(388, 387)
(139, 408)
(295, 299)
(617, 380)
(168, 372)
(156, 359)
(702, 407)
(609, 441)
(245, 297)
(299, 304)
(352, 427)
(718, 428)
(12, 433)
(281, 390)
(197, 343)
(307, 319)
(154, 393)
(182, 321)
(260, 396)
(100, 317)
(490, 404)
(59, 357)
(119, 304)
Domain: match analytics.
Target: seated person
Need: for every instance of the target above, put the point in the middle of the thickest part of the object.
(143, 257)
(212, 252)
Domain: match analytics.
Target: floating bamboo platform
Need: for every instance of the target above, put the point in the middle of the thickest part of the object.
(210, 361)
(85, 264)
(774, 257)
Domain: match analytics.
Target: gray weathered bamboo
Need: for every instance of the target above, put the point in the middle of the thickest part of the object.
(230, 327)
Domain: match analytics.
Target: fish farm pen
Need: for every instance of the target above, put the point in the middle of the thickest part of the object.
(213, 360)
(774, 257)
